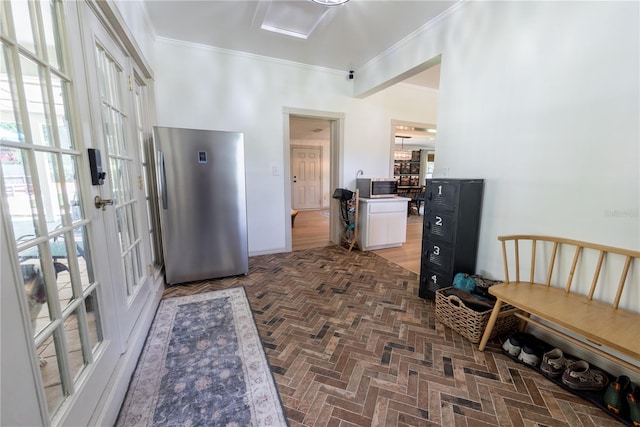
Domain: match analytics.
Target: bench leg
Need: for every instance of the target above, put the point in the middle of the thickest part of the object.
(523, 323)
(490, 325)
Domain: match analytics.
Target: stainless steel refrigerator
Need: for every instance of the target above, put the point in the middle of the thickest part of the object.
(203, 209)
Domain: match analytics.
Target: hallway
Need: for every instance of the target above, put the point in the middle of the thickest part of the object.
(311, 230)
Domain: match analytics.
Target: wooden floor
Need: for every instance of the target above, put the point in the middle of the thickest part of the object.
(311, 230)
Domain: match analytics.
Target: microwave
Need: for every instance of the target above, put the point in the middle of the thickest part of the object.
(372, 188)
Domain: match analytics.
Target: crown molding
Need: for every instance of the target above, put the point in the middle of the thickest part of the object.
(414, 35)
(251, 56)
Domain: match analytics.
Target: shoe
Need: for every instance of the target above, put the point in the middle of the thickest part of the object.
(531, 352)
(514, 343)
(554, 363)
(633, 399)
(579, 376)
(615, 398)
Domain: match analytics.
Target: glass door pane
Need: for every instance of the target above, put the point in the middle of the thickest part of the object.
(122, 166)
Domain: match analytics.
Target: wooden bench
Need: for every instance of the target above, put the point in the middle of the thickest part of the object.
(568, 305)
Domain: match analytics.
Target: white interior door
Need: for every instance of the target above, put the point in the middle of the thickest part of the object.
(306, 178)
(61, 303)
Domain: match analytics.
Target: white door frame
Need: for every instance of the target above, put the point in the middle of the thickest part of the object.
(336, 176)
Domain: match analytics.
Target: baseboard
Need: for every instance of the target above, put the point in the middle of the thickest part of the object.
(116, 390)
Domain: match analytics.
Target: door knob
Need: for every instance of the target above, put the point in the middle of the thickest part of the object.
(102, 203)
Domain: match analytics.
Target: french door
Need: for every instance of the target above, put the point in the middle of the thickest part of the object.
(110, 71)
(75, 277)
(48, 218)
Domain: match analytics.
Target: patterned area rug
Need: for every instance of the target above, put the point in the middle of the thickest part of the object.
(203, 364)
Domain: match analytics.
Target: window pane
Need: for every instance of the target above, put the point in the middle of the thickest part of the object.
(72, 187)
(93, 320)
(74, 344)
(116, 182)
(108, 133)
(35, 288)
(10, 125)
(101, 73)
(16, 174)
(34, 89)
(54, 54)
(138, 263)
(61, 267)
(50, 373)
(116, 120)
(123, 228)
(4, 27)
(140, 139)
(83, 251)
(132, 222)
(60, 97)
(50, 186)
(126, 180)
(22, 24)
(128, 272)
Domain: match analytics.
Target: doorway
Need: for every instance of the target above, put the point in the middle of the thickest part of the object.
(312, 142)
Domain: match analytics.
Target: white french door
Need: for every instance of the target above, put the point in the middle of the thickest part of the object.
(63, 306)
(74, 278)
(110, 71)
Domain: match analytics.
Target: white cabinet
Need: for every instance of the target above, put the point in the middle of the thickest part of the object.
(383, 222)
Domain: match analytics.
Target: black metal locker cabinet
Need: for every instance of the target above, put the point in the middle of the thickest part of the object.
(450, 232)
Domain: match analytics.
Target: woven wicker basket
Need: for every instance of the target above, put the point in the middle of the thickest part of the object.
(451, 311)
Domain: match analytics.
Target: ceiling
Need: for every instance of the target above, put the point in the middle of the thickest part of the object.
(339, 37)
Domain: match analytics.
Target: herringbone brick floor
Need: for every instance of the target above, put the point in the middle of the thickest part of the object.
(350, 343)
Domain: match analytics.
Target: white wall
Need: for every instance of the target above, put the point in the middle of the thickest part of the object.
(206, 88)
(541, 99)
(137, 21)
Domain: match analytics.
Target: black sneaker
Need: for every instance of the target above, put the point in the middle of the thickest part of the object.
(514, 343)
(532, 351)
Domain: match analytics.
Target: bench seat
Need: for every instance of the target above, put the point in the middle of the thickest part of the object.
(596, 321)
(572, 311)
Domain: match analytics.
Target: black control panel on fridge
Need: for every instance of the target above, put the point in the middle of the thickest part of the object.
(450, 232)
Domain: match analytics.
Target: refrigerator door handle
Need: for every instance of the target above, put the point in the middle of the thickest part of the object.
(163, 180)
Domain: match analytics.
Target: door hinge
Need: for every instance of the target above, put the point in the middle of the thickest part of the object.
(130, 83)
(140, 181)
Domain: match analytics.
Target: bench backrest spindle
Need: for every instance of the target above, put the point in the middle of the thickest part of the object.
(534, 244)
(596, 275)
(573, 268)
(613, 259)
(623, 279)
(505, 263)
(552, 262)
(517, 249)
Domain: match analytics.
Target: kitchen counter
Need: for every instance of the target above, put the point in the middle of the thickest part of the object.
(383, 199)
